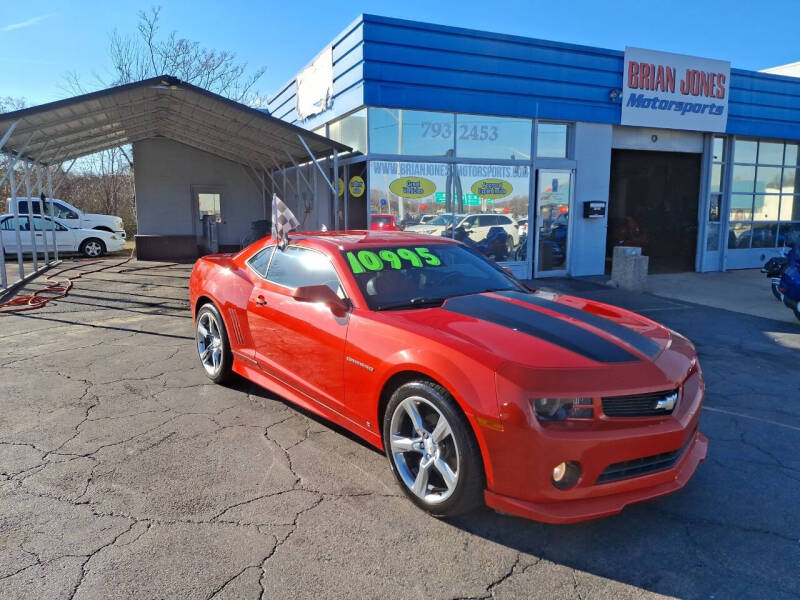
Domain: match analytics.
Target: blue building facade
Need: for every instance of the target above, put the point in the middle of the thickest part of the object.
(506, 140)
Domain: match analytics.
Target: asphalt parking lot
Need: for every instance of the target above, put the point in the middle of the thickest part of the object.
(123, 473)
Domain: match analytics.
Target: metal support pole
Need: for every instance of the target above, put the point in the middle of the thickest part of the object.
(8, 133)
(297, 192)
(44, 221)
(63, 176)
(319, 168)
(264, 192)
(283, 180)
(52, 215)
(15, 212)
(3, 276)
(336, 187)
(310, 188)
(31, 224)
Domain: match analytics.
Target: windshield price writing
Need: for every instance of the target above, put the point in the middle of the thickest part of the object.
(368, 260)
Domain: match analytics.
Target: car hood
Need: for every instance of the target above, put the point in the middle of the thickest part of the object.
(425, 229)
(107, 219)
(519, 333)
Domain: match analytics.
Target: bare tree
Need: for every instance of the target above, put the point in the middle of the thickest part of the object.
(7, 104)
(103, 182)
(147, 53)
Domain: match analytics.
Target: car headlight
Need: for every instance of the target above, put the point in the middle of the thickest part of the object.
(561, 409)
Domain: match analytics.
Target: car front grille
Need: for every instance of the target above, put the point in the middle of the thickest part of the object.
(643, 466)
(638, 405)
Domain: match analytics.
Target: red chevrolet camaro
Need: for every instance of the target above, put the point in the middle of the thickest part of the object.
(478, 389)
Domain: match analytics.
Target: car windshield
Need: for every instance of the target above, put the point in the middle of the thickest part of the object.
(411, 276)
(441, 220)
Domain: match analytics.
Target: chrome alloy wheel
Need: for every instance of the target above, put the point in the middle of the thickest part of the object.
(93, 249)
(209, 343)
(424, 450)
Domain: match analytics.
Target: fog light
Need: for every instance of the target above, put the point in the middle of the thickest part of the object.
(566, 474)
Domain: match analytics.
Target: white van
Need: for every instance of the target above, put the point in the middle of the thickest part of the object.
(70, 215)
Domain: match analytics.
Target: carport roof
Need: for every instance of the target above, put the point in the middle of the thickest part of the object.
(158, 107)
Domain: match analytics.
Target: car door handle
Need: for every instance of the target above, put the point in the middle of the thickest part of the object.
(260, 301)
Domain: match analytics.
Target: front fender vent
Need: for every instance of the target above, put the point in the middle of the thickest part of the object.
(236, 328)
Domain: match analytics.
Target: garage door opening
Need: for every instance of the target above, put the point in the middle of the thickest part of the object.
(653, 204)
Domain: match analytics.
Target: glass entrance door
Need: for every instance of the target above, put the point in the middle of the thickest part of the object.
(553, 206)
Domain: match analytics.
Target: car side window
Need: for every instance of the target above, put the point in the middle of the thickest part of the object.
(259, 262)
(22, 207)
(295, 267)
(503, 220)
(470, 221)
(8, 224)
(62, 212)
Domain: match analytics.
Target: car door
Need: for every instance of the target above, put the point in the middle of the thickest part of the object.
(65, 238)
(9, 234)
(481, 228)
(299, 343)
(506, 223)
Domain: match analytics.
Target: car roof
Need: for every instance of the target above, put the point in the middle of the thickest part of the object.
(354, 239)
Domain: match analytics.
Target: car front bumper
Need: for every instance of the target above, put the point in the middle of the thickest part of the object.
(115, 245)
(647, 487)
(622, 460)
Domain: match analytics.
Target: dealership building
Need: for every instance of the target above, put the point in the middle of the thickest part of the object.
(692, 160)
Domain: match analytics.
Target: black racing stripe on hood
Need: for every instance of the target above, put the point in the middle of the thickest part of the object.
(642, 343)
(540, 325)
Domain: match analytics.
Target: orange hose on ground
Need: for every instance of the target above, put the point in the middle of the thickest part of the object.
(54, 289)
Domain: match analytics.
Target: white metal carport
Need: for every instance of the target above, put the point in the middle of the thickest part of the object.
(51, 135)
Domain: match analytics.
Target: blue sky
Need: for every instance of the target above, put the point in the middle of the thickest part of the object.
(42, 41)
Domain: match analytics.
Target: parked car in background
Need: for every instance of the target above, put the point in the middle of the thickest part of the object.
(523, 226)
(436, 225)
(92, 243)
(478, 226)
(383, 223)
(74, 217)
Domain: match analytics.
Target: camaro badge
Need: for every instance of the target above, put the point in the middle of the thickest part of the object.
(360, 364)
(667, 402)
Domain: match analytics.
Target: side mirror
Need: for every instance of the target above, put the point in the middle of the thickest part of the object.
(322, 294)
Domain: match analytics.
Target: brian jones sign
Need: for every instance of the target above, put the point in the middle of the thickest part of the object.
(675, 91)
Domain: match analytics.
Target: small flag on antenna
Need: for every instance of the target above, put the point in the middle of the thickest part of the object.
(283, 219)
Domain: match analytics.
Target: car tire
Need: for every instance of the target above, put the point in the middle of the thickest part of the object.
(213, 347)
(92, 248)
(452, 482)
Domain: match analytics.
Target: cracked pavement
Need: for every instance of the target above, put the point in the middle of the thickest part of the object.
(125, 474)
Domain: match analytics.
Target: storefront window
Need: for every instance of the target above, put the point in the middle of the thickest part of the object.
(770, 153)
(413, 193)
(716, 178)
(479, 136)
(745, 151)
(351, 131)
(551, 140)
(716, 189)
(480, 205)
(495, 199)
(764, 202)
(411, 132)
(719, 148)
